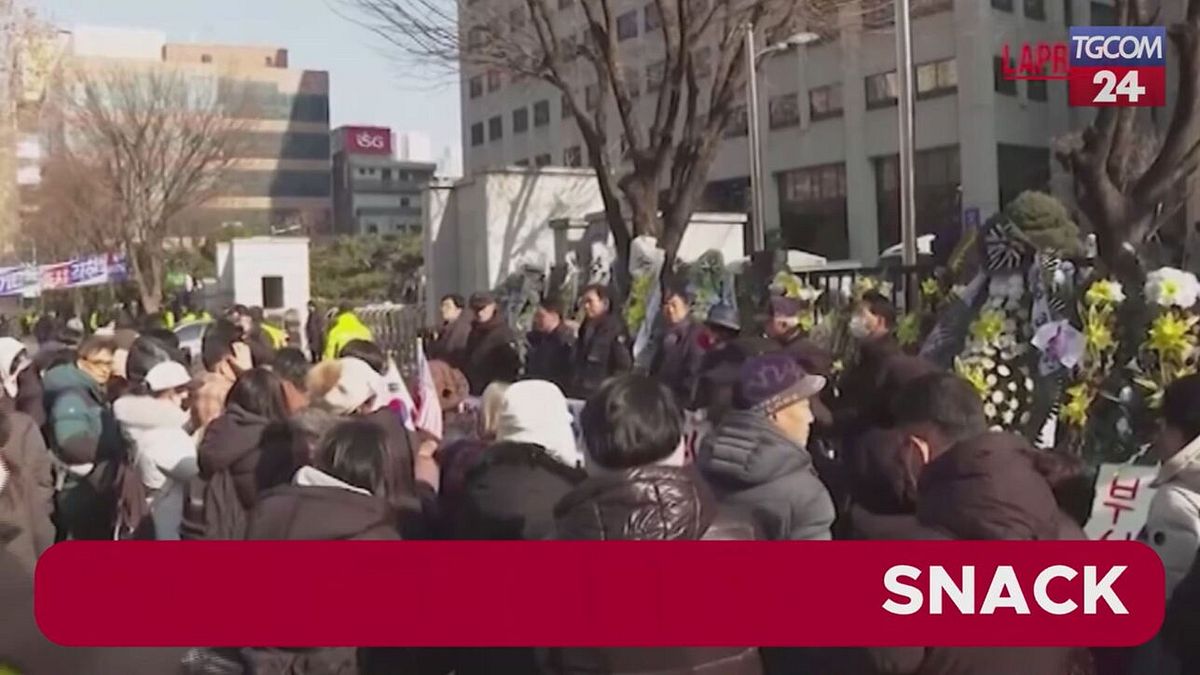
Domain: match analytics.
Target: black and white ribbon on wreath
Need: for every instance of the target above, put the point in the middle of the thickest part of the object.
(1048, 306)
(1005, 248)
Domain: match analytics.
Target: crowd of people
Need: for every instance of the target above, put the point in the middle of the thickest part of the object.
(116, 438)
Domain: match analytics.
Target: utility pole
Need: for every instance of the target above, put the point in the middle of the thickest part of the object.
(758, 209)
(904, 86)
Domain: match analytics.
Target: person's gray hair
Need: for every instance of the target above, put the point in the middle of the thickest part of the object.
(312, 424)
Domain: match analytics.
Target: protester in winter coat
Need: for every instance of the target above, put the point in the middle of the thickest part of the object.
(350, 386)
(973, 485)
(293, 367)
(225, 356)
(154, 418)
(87, 439)
(757, 457)
(21, 382)
(28, 501)
(491, 348)
(983, 488)
(866, 389)
(551, 343)
(250, 440)
(451, 343)
(342, 496)
(720, 373)
(1173, 522)
(882, 473)
(346, 327)
(511, 491)
(639, 488)
(677, 361)
(784, 327)
(603, 348)
(457, 458)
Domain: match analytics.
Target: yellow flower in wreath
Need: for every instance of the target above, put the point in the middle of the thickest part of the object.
(987, 327)
(1075, 410)
(974, 374)
(1099, 335)
(1170, 336)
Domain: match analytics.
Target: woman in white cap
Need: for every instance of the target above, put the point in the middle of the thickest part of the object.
(154, 417)
(21, 382)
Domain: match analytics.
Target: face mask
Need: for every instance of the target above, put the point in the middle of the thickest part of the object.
(859, 327)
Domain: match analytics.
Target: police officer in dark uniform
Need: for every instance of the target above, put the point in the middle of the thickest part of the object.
(551, 345)
(491, 348)
(603, 347)
(676, 363)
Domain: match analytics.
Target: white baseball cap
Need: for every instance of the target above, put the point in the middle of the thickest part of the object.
(166, 376)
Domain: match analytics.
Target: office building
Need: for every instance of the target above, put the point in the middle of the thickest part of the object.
(829, 119)
(281, 180)
(373, 191)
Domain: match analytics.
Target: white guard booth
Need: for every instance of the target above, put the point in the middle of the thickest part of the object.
(267, 272)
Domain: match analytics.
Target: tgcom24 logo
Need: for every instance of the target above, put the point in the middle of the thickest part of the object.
(1104, 66)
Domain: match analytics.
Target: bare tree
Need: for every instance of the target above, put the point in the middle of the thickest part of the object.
(651, 146)
(1128, 180)
(140, 147)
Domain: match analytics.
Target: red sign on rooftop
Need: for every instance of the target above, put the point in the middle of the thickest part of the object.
(368, 140)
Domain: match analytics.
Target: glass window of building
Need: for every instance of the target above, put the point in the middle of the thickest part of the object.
(495, 128)
(825, 102)
(784, 111)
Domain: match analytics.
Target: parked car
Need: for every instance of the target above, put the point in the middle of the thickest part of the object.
(191, 337)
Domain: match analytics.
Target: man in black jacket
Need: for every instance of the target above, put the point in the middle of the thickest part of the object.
(551, 343)
(603, 348)
(451, 343)
(784, 327)
(491, 349)
(677, 362)
(867, 387)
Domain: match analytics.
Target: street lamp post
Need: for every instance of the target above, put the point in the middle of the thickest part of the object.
(757, 203)
(758, 200)
(904, 75)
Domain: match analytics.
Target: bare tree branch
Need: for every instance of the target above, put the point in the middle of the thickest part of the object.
(141, 145)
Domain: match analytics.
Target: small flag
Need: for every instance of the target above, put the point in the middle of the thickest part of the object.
(398, 396)
(429, 408)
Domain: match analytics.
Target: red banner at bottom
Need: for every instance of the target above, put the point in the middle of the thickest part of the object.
(600, 593)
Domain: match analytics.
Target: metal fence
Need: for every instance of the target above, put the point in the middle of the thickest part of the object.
(397, 329)
(905, 282)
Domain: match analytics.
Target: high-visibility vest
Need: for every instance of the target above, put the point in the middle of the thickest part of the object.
(346, 329)
(277, 337)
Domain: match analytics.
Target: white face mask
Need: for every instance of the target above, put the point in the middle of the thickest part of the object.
(859, 327)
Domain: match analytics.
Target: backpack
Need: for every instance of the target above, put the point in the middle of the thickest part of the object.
(212, 510)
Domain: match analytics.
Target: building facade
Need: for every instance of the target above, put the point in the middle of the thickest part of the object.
(373, 191)
(282, 181)
(829, 120)
(281, 178)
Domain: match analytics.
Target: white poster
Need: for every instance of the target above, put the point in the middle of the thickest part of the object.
(1123, 495)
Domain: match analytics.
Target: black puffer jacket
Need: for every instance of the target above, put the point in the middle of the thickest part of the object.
(491, 355)
(511, 494)
(751, 465)
(678, 360)
(256, 452)
(866, 389)
(653, 503)
(601, 352)
(549, 356)
(317, 513)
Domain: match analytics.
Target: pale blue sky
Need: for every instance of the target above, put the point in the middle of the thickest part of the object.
(366, 83)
